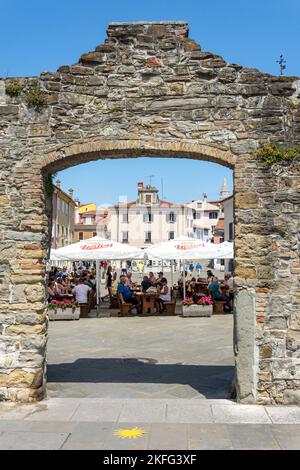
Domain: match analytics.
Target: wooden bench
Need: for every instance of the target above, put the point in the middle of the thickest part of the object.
(84, 310)
(218, 307)
(125, 308)
(170, 307)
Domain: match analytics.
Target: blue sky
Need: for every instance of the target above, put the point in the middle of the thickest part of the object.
(38, 36)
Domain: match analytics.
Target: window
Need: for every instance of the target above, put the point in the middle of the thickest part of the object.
(171, 217)
(213, 215)
(94, 234)
(199, 205)
(171, 235)
(148, 198)
(80, 235)
(125, 218)
(213, 228)
(88, 220)
(124, 237)
(205, 232)
(147, 237)
(231, 231)
(148, 218)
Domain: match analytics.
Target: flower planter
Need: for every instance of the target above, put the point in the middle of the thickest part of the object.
(64, 314)
(196, 310)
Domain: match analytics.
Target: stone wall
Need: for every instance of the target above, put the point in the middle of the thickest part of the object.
(150, 90)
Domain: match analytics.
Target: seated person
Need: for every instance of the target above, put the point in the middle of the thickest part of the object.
(228, 281)
(191, 287)
(128, 280)
(217, 292)
(159, 279)
(146, 283)
(60, 287)
(164, 295)
(126, 294)
(51, 291)
(114, 286)
(152, 278)
(81, 291)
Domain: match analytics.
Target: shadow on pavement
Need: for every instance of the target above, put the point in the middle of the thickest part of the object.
(212, 381)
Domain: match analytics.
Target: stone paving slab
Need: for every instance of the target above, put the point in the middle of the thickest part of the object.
(284, 414)
(143, 410)
(188, 413)
(287, 436)
(54, 411)
(89, 436)
(252, 436)
(168, 437)
(32, 440)
(240, 414)
(209, 437)
(104, 411)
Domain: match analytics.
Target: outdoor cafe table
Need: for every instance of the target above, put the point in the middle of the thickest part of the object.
(147, 301)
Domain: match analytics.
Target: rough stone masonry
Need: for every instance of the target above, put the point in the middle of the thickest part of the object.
(150, 90)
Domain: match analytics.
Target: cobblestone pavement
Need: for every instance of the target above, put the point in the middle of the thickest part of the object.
(91, 423)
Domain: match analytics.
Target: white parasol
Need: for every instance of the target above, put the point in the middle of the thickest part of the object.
(97, 248)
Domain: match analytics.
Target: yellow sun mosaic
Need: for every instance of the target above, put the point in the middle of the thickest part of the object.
(132, 433)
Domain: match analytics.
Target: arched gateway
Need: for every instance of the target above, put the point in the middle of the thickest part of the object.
(151, 91)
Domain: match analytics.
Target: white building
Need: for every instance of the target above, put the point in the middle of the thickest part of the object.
(203, 217)
(148, 219)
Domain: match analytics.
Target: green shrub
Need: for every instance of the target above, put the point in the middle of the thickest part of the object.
(272, 153)
(49, 184)
(35, 97)
(13, 89)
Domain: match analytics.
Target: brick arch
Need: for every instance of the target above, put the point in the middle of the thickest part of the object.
(85, 151)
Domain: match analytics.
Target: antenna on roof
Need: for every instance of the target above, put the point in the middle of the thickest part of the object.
(162, 189)
(150, 178)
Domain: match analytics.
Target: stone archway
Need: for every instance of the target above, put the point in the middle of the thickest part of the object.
(151, 91)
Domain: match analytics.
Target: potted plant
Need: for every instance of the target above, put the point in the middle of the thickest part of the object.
(63, 310)
(203, 307)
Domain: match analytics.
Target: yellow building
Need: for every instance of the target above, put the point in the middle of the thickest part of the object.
(91, 207)
(85, 221)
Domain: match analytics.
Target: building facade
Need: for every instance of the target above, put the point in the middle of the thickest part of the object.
(85, 221)
(146, 220)
(63, 214)
(202, 219)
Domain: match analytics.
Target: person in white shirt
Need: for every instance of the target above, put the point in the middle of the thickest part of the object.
(228, 281)
(81, 292)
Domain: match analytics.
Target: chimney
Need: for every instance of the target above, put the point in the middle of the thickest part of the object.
(57, 183)
(140, 185)
(71, 192)
(77, 202)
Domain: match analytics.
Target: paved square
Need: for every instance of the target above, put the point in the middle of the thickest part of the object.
(145, 357)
